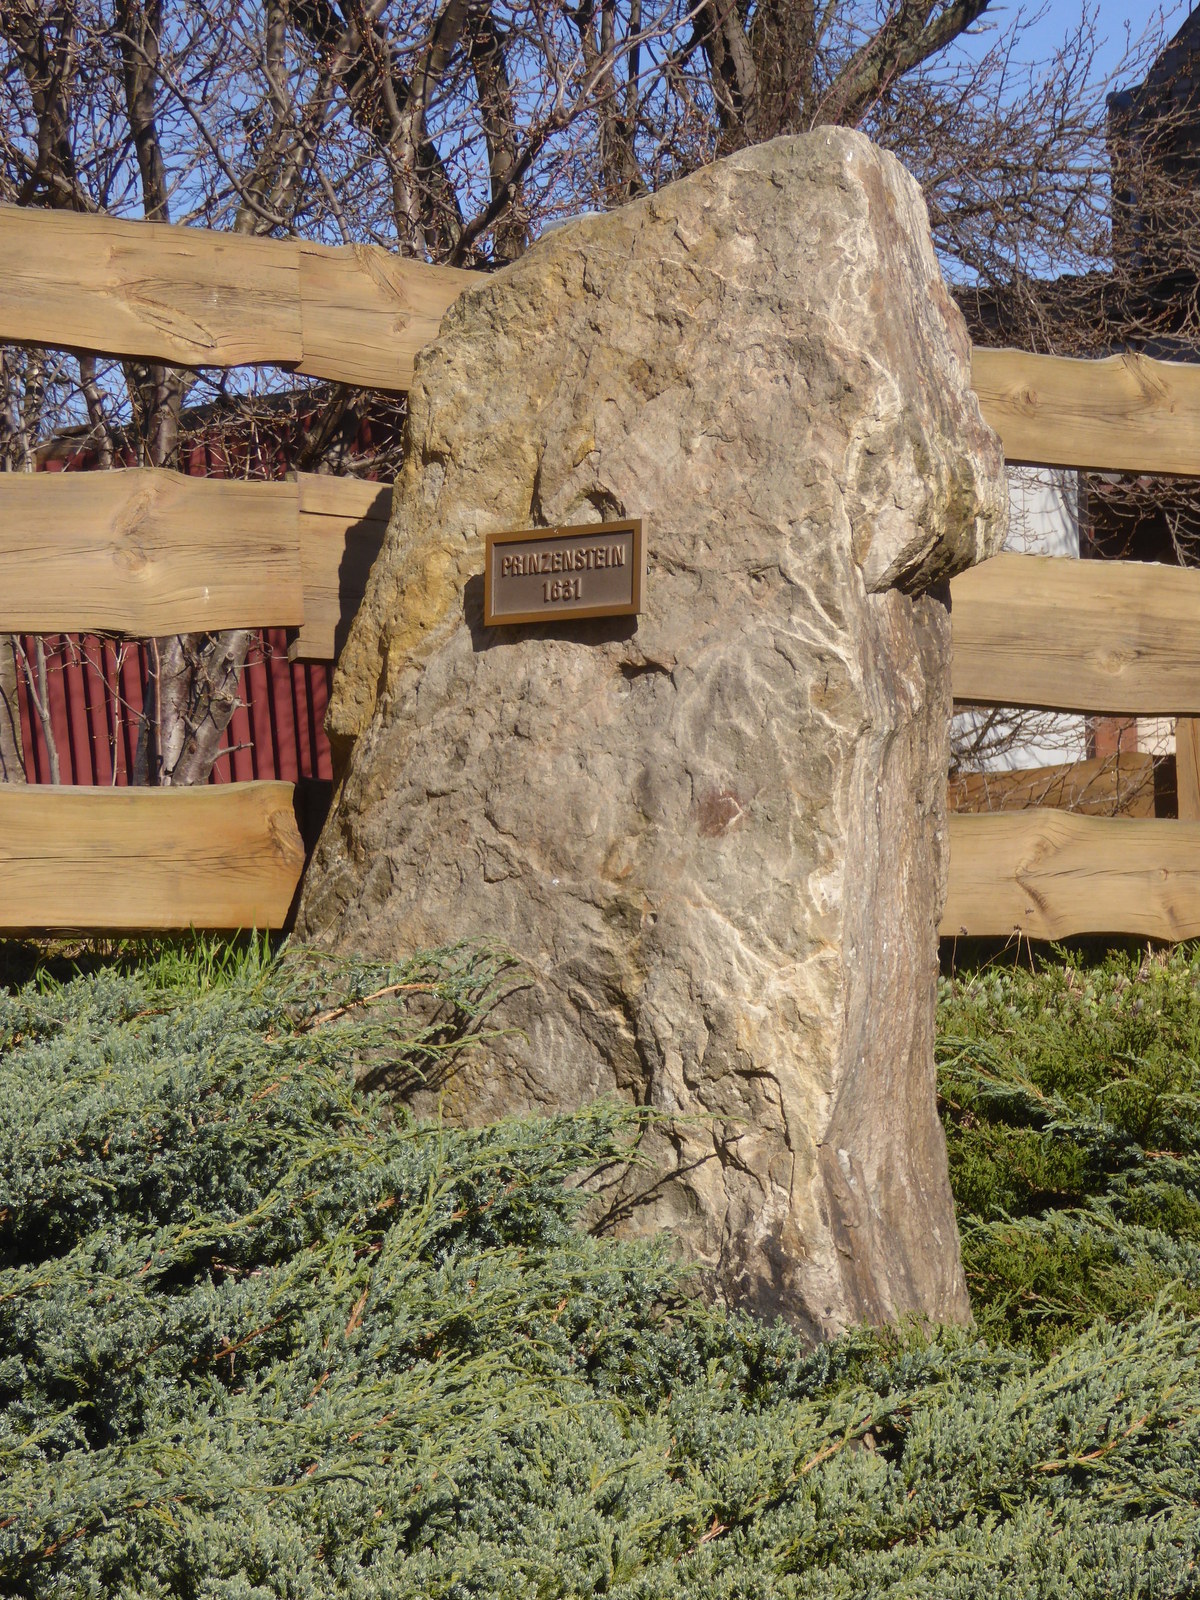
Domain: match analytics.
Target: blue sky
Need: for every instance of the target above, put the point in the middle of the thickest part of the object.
(1116, 22)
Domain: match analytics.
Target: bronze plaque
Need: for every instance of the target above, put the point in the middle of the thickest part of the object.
(597, 570)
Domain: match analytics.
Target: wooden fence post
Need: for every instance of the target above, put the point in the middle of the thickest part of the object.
(1187, 767)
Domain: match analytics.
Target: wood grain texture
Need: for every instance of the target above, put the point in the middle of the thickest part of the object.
(140, 860)
(1049, 874)
(1187, 768)
(1106, 786)
(355, 314)
(147, 553)
(1126, 413)
(183, 295)
(1111, 636)
(342, 524)
(365, 312)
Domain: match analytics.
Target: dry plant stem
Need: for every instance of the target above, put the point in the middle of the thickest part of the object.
(39, 693)
(852, 1436)
(12, 766)
(19, 391)
(379, 994)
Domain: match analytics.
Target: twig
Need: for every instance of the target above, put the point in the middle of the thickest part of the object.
(332, 1015)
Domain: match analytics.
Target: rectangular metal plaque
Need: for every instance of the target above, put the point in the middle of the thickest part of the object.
(538, 574)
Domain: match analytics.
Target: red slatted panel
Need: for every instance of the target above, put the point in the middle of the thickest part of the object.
(94, 690)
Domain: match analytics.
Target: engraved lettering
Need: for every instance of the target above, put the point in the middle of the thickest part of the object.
(538, 574)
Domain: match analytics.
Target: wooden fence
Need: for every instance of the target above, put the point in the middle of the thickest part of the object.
(1101, 636)
(156, 553)
(147, 553)
(352, 313)
(152, 553)
(1098, 636)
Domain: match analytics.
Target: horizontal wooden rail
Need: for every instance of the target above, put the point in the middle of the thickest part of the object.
(1127, 413)
(1049, 875)
(150, 552)
(140, 860)
(358, 314)
(354, 313)
(143, 553)
(342, 524)
(146, 553)
(1115, 636)
(1106, 786)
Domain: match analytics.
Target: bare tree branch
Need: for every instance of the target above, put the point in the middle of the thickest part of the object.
(911, 34)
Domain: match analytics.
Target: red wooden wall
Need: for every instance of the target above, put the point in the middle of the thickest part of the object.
(95, 699)
(95, 686)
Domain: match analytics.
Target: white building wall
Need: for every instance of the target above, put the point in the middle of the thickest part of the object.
(1043, 520)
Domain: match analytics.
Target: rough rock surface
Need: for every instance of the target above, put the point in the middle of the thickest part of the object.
(717, 838)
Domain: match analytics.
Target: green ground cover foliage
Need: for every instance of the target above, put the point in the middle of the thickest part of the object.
(1071, 1098)
(262, 1336)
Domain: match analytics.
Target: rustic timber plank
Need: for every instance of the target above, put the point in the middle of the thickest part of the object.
(1107, 786)
(342, 524)
(355, 313)
(146, 553)
(1126, 413)
(1049, 874)
(1187, 768)
(350, 499)
(365, 312)
(183, 295)
(1115, 636)
(141, 860)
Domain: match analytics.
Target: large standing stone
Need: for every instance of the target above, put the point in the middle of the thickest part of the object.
(716, 838)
